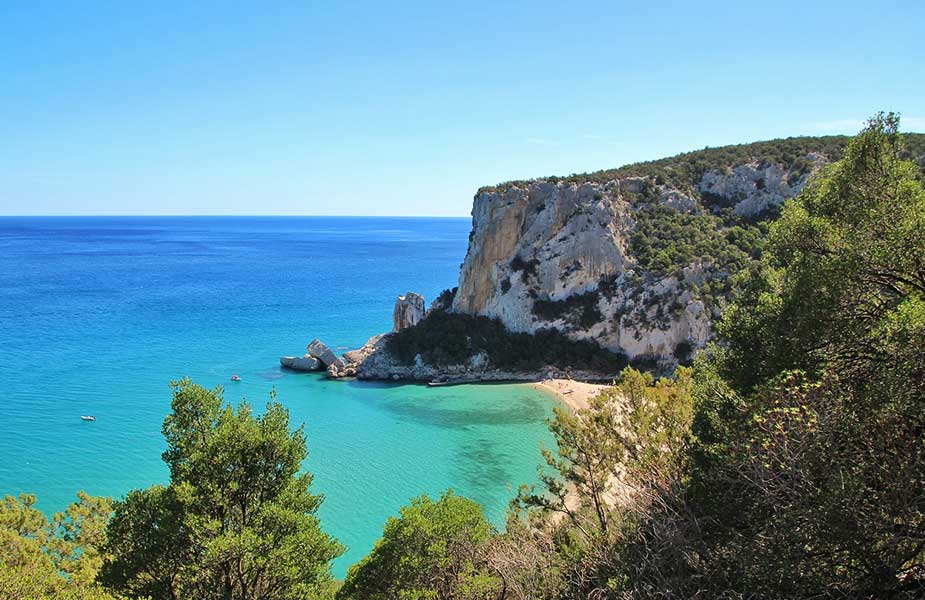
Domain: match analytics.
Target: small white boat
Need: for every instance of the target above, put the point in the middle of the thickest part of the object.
(87, 418)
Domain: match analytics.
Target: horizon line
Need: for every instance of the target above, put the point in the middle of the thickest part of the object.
(212, 216)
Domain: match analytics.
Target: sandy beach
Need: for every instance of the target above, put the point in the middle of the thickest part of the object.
(575, 394)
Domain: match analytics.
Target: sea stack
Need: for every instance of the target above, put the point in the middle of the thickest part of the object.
(408, 312)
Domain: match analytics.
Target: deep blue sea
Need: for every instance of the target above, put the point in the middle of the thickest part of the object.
(98, 314)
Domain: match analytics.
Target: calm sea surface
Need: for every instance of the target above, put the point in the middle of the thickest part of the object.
(97, 315)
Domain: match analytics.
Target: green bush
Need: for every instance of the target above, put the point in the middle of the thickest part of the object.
(527, 268)
(579, 310)
(433, 550)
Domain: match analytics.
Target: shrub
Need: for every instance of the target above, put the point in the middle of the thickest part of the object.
(685, 171)
(445, 299)
(527, 268)
(579, 310)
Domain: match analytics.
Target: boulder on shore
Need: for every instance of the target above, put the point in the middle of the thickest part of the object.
(319, 350)
(341, 368)
(409, 311)
(301, 363)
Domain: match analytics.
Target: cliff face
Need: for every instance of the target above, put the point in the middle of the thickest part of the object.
(638, 260)
(550, 228)
(570, 254)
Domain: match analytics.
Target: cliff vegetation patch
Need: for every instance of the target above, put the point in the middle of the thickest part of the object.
(526, 268)
(665, 241)
(579, 310)
(684, 171)
(445, 338)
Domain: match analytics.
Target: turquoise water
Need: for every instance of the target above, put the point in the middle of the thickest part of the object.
(98, 314)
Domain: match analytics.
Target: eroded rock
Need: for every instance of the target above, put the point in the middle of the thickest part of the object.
(409, 311)
(301, 363)
(754, 188)
(322, 352)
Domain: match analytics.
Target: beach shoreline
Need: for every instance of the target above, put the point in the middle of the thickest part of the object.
(574, 394)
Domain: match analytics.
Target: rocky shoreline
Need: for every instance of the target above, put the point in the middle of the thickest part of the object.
(374, 362)
(584, 257)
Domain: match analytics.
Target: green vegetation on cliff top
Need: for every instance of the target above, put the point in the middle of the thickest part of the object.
(684, 171)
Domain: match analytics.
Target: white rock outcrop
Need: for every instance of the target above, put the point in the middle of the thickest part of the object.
(558, 254)
(301, 363)
(319, 350)
(753, 188)
(409, 311)
(548, 241)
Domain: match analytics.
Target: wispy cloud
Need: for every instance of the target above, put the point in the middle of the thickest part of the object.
(540, 141)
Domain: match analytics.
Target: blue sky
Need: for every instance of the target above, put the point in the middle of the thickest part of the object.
(407, 108)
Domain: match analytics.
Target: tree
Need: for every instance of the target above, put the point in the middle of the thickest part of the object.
(845, 275)
(433, 550)
(237, 520)
(54, 560)
(614, 462)
(151, 544)
(631, 433)
(525, 560)
(809, 465)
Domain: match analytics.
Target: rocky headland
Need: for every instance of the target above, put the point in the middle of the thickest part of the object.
(569, 278)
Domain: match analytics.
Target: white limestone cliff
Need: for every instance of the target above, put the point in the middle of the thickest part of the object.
(541, 251)
(560, 254)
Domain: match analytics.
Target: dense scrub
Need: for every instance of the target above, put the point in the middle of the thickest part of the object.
(665, 241)
(527, 268)
(685, 171)
(795, 466)
(444, 338)
(819, 387)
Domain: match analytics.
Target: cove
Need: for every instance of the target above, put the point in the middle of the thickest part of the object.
(98, 314)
